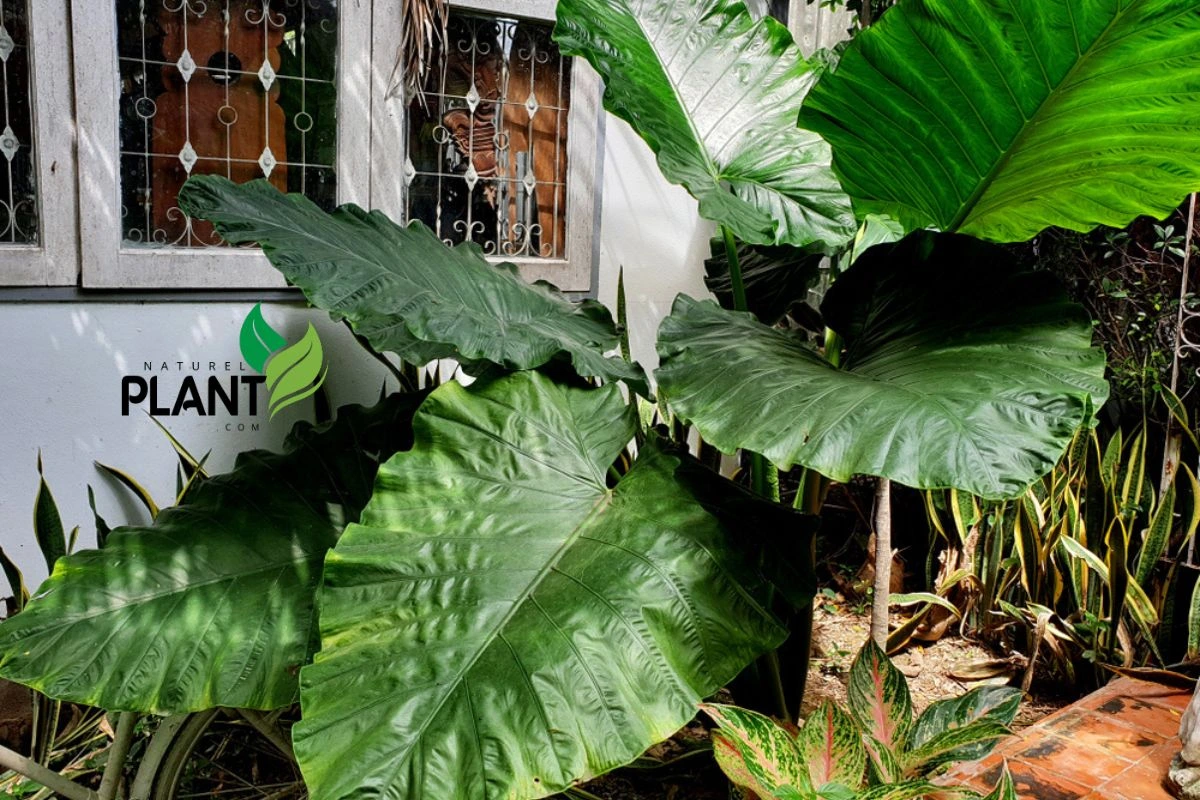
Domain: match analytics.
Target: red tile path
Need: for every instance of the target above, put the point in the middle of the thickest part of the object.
(1115, 744)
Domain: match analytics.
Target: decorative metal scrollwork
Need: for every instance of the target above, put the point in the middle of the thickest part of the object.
(240, 88)
(487, 150)
(19, 223)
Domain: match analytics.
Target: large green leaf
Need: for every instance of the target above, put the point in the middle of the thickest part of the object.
(406, 291)
(961, 370)
(504, 624)
(775, 278)
(213, 604)
(715, 95)
(999, 118)
(781, 536)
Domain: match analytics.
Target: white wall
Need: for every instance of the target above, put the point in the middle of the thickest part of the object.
(653, 230)
(61, 363)
(61, 366)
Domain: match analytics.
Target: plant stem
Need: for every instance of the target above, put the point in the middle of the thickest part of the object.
(883, 562)
(735, 271)
(11, 759)
(117, 753)
(810, 498)
(401, 378)
(764, 476)
(758, 465)
(264, 725)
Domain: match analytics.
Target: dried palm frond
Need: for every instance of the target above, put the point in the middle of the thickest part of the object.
(424, 31)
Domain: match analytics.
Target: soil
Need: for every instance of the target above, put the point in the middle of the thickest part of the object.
(935, 671)
(16, 716)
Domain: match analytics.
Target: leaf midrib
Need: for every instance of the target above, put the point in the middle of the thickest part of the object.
(702, 150)
(182, 589)
(1032, 122)
(603, 502)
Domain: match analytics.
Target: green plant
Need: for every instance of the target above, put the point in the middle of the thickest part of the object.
(1129, 280)
(227, 618)
(873, 750)
(1085, 562)
(69, 739)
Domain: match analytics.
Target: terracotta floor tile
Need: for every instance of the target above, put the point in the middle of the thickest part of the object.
(1065, 757)
(1089, 730)
(1142, 715)
(1139, 782)
(970, 772)
(1113, 745)
(1037, 783)
(1159, 757)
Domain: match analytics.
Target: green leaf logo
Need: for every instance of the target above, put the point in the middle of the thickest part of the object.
(259, 340)
(293, 372)
(296, 372)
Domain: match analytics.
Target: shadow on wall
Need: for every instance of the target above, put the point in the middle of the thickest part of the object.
(62, 366)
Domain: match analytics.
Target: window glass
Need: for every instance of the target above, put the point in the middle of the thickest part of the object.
(241, 88)
(487, 139)
(18, 193)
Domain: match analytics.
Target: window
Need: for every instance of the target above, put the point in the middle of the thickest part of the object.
(500, 144)
(487, 153)
(239, 88)
(500, 149)
(37, 174)
(18, 195)
(277, 89)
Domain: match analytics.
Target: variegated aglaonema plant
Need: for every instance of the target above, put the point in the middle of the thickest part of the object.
(873, 751)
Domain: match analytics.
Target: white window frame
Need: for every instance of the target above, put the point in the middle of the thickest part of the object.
(77, 158)
(53, 261)
(110, 263)
(574, 272)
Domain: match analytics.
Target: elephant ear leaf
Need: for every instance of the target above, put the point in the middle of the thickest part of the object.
(775, 278)
(212, 605)
(1016, 116)
(715, 95)
(503, 623)
(404, 290)
(961, 370)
